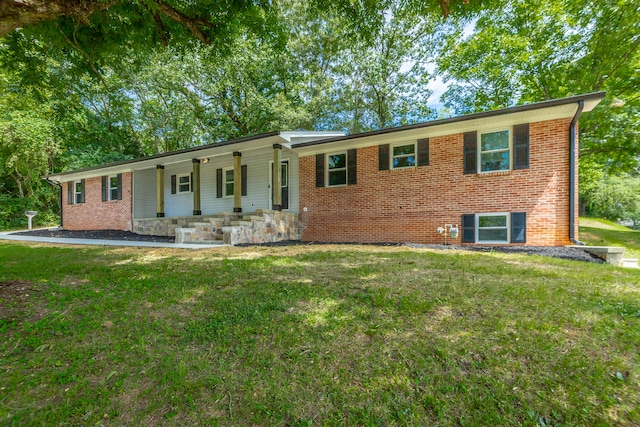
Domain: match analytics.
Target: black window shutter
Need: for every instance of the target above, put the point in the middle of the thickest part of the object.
(243, 173)
(470, 150)
(319, 170)
(104, 188)
(82, 191)
(521, 146)
(518, 227)
(191, 182)
(383, 157)
(173, 184)
(119, 178)
(219, 183)
(70, 186)
(352, 167)
(468, 228)
(423, 152)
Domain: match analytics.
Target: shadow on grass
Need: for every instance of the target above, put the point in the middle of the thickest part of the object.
(316, 336)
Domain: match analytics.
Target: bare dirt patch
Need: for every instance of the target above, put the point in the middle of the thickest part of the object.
(16, 295)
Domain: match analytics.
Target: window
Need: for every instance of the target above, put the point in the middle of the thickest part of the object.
(284, 168)
(337, 169)
(78, 191)
(495, 149)
(113, 187)
(492, 228)
(184, 183)
(228, 182)
(403, 156)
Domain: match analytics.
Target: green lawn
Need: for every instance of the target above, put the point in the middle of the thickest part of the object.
(314, 335)
(599, 232)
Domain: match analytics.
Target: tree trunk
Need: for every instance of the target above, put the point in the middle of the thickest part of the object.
(16, 178)
(582, 206)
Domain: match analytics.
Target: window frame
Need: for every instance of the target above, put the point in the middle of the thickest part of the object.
(284, 178)
(179, 185)
(112, 189)
(402, 144)
(225, 182)
(344, 169)
(77, 193)
(507, 226)
(509, 150)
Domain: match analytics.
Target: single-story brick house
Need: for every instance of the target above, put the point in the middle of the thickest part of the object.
(507, 176)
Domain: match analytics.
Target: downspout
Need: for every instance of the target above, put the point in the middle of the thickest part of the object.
(59, 185)
(572, 174)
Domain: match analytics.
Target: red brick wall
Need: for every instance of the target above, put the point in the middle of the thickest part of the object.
(408, 205)
(94, 214)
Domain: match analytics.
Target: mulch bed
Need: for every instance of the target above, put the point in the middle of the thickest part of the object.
(97, 234)
(551, 251)
(563, 252)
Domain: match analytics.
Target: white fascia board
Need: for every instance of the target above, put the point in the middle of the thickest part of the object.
(307, 134)
(142, 164)
(478, 124)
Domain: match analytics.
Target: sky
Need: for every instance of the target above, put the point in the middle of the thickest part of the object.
(438, 86)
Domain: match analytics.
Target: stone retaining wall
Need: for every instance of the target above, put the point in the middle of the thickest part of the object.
(262, 226)
(164, 226)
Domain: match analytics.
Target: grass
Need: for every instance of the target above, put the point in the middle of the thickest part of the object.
(299, 336)
(600, 232)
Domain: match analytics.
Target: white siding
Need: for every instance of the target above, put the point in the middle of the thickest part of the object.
(144, 193)
(258, 192)
(179, 204)
(257, 197)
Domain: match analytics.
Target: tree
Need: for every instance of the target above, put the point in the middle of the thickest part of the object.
(530, 51)
(28, 148)
(382, 82)
(614, 197)
(204, 20)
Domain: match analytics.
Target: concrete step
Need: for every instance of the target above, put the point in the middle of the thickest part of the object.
(240, 223)
(611, 254)
(185, 229)
(630, 262)
(201, 224)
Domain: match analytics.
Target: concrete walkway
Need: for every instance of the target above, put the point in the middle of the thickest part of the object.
(102, 242)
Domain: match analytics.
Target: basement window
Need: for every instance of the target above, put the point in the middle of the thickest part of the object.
(492, 228)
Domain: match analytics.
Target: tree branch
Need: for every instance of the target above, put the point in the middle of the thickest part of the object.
(192, 24)
(23, 13)
(87, 57)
